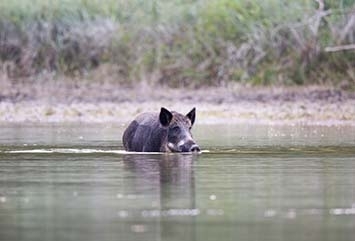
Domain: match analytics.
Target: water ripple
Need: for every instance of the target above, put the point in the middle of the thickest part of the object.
(265, 150)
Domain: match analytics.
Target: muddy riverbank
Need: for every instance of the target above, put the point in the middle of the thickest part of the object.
(50, 101)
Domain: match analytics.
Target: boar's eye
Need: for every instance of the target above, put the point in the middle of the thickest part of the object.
(176, 129)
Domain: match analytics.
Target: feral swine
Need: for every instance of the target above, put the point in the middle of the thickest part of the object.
(161, 132)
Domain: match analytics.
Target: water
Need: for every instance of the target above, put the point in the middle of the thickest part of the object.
(250, 183)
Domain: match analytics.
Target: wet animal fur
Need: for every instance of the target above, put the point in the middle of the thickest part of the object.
(147, 134)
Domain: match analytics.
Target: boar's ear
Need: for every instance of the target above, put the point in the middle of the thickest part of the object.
(191, 115)
(165, 116)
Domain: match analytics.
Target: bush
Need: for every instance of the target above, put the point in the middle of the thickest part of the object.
(181, 42)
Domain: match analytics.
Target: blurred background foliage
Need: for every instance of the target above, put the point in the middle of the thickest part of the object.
(181, 43)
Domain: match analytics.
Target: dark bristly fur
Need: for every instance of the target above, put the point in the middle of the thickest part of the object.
(161, 132)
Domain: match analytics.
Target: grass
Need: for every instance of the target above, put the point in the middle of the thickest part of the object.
(180, 43)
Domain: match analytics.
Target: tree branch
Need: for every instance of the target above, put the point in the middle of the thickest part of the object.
(339, 48)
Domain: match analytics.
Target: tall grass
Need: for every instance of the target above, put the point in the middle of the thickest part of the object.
(180, 42)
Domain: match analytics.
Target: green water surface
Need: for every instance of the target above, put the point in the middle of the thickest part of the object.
(249, 183)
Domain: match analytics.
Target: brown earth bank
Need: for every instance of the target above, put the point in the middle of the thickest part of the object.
(51, 100)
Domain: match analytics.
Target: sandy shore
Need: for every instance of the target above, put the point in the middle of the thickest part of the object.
(88, 102)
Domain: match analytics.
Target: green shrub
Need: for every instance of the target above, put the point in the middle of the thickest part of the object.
(180, 42)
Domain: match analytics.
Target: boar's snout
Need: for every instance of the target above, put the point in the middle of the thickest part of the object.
(195, 148)
(189, 146)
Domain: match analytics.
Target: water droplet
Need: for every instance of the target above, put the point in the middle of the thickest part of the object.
(213, 197)
(3, 199)
(269, 213)
(350, 211)
(336, 211)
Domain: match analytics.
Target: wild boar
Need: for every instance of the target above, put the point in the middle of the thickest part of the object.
(167, 131)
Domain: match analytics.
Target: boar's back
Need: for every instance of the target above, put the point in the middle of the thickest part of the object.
(144, 134)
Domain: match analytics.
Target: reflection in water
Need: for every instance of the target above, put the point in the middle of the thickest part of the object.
(170, 178)
(173, 169)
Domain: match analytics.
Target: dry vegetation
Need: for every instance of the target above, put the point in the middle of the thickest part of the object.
(180, 43)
